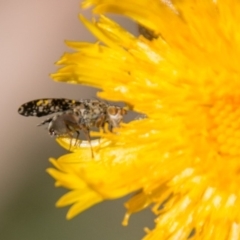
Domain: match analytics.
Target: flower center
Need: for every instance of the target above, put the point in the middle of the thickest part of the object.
(225, 125)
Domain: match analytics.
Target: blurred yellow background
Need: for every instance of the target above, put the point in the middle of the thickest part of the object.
(32, 35)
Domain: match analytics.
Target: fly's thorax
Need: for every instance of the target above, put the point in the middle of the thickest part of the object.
(97, 106)
(94, 113)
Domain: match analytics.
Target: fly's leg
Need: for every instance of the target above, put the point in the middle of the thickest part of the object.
(72, 127)
(70, 135)
(101, 121)
(45, 121)
(77, 138)
(86, 132)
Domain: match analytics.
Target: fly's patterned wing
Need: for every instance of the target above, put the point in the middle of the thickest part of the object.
(47, 106)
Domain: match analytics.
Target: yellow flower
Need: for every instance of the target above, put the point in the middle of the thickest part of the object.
(183, 159)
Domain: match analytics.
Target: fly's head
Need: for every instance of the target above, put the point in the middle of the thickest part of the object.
(115, 115)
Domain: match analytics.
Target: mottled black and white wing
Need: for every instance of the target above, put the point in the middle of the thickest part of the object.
(46, 106)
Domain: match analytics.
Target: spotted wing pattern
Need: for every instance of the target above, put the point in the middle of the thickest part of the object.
(46, 106)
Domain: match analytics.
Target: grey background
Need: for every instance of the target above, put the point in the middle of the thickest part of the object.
(31, 40)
